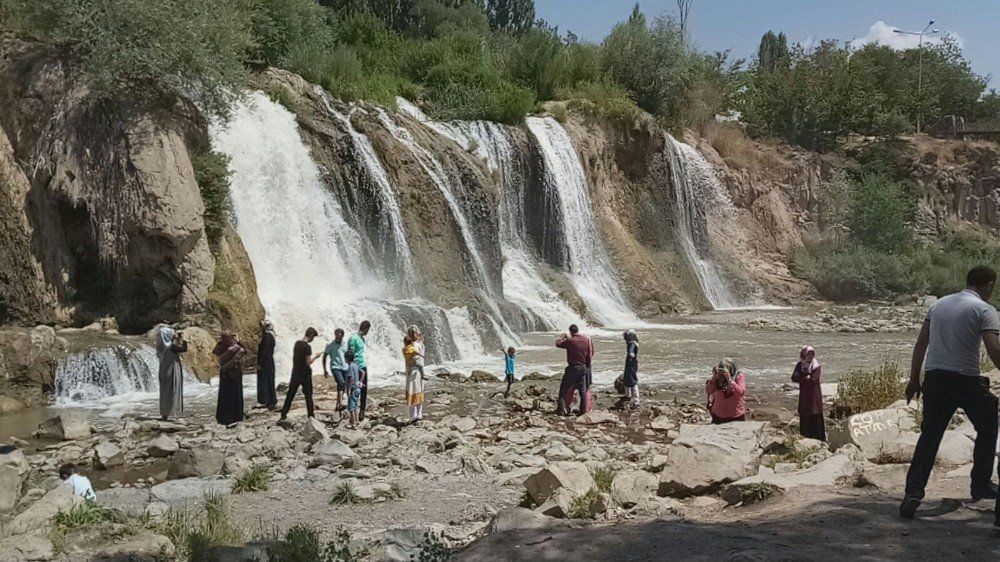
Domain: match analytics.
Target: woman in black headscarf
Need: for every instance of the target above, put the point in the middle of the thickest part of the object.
(266, 394)
(230, 352)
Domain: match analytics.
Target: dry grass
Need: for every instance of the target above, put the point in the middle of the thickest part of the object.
(864, 391)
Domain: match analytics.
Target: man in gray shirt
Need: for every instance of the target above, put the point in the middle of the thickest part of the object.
(950, 338)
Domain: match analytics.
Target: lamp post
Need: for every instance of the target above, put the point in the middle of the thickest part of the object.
(920, 63)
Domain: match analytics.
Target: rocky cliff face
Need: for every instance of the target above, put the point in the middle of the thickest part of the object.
(959, 181)
(102, 215)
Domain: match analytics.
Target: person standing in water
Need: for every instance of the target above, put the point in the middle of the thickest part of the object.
(230, 353)
(267, 396)
(579, 351)
(169, 346)
(950, 339)
(302, 359)
(356, 345)
(335, 351)
(631, 374)
(807, 375)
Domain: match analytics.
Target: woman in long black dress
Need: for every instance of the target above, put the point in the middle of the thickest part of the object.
(266, 394)
(230, 352)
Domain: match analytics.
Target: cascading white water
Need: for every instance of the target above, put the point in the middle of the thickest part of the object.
(522, 283)
(385, 192)
(103, 372)
(589, 265)
(695, 184)
(307, 259)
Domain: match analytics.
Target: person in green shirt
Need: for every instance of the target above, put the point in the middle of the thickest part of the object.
(356, 345)
(334, 355)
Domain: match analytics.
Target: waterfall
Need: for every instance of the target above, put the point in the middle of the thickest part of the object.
(695, 183)
(103, 372)
(307, 259)
(589, 265)
(439, 177)
(387, 196)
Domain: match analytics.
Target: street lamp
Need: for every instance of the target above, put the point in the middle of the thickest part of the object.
(920, 63)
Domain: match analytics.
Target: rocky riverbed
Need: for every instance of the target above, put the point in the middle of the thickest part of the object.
(480, 466)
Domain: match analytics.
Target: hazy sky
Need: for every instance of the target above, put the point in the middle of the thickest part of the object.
(717, 25)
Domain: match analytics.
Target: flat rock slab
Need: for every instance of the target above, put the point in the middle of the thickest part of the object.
(826, 473)
(190, 491)
(704, 457)
(889, 436)
(131, 501)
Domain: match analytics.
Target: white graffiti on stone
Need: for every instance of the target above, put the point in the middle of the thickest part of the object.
(871, 422)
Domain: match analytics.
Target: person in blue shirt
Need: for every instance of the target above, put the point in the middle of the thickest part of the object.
(334, 353)
(508, 369)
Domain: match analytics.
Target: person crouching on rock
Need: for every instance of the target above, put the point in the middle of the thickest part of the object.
(807, 375)
(412, 352)
(70, 476)
(579, 352)
(353, 382)
(726, 390)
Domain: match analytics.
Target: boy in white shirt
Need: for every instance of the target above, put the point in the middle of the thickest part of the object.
(80, 483)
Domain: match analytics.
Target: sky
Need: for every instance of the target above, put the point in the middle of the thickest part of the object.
(718, 25)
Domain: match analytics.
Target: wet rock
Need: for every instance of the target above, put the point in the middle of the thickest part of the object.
(190, 491)
(108, 455)
(13, 474)
(39, 514)
(198, 462)
(66, 426)
(332, 453)
(573, 477)
(314, 430)
(632, 487)
(704, 457)
(162, 446)
(483, 376)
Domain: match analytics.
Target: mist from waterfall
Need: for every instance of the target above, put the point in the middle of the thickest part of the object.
(589, 265)
(696, 188)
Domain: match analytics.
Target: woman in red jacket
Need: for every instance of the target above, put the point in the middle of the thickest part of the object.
(807, 375)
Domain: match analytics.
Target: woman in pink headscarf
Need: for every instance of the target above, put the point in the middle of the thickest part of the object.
(807, 375)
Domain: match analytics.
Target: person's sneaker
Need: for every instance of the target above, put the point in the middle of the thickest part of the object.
(909, 507)
(988, 493)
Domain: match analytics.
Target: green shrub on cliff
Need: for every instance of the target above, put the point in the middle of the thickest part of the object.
(211, 171)
(145, 48)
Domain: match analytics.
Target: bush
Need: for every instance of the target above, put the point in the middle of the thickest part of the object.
(83, 515)
(146, 48)
(257, 478)
(755, 493)
(301, 544)
(195, 533)
(864, 391)
(211, 171)
(607, 97)
(603, 477)
(580, 508)
(345, 494)
(881, 213)
(282, 26)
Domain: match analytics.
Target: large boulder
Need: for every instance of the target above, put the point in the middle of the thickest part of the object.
(60, 499)
(483, 376)
(26, 547)
(332, 453)
(66, 426)
(199, 357)
(13, 473)
(515, 519)
(28, 358)
(889, 436)
(573, 477)
(162, 446)
(830, 472)
(190, 491)
(130, 501)
(197, 462)
(314, 430)
(108, 455)
(633, 487)
(704, 457)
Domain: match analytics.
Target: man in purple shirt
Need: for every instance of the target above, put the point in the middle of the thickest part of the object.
(576, 377)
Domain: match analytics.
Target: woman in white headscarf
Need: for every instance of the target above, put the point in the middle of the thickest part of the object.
(169, 345)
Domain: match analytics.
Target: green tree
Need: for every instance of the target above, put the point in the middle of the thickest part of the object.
(881, 214)
(146, 48)
(511, 16)
(282, 26)
(772, 53)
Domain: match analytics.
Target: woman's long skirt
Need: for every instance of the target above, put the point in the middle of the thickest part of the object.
(230, 407)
